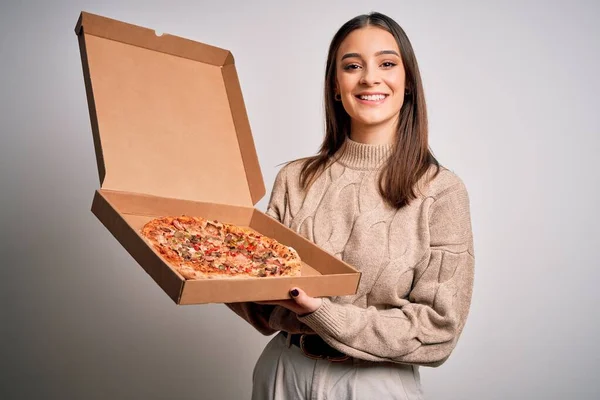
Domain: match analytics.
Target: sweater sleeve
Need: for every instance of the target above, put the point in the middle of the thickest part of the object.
(258, 314)
(424, 328)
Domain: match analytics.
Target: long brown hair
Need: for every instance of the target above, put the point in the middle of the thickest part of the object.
(411, 157)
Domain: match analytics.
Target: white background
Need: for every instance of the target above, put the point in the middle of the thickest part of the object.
(512, 90)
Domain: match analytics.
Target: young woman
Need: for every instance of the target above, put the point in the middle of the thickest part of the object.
(375, 196)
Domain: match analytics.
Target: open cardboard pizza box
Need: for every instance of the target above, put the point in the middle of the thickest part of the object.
(172, 137)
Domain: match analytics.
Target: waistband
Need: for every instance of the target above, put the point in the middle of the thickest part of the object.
(313, 346)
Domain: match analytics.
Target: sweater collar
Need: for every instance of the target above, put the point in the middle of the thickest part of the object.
(357, 155)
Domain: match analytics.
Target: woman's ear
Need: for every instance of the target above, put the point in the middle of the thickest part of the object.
(335, 90)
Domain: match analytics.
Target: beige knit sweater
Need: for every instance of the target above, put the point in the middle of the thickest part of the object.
(416, 263)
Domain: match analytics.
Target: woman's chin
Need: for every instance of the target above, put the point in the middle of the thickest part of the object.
(370, 121)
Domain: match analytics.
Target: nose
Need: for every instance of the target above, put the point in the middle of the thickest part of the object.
(370, 76)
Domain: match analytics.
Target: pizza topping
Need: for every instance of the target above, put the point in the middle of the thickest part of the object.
(274, 261)
(185, 254)
(274, 270)
(232, 240)
(239, 259)
(200, 247)
(177, 224)
(213, 229)
(251, 248)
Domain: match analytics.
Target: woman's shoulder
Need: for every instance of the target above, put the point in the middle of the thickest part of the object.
(435, 185)
(291, 169)
(294, 166)
(289, 174)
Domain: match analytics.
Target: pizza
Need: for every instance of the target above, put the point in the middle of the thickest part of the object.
(202, 249)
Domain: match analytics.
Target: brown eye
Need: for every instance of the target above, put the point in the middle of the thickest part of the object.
(351, 67)
(388, 64)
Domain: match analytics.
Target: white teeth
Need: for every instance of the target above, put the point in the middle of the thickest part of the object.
(374, 97)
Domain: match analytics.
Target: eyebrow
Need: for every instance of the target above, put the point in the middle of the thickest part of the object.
(357, 55)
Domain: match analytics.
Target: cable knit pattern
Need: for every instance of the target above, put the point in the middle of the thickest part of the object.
(417, 263)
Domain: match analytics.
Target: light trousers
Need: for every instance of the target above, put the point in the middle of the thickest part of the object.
(283, 372)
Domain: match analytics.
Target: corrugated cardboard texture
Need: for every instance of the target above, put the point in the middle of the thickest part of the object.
(164, 124)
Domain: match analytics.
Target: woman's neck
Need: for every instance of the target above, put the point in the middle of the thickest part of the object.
(383, 133)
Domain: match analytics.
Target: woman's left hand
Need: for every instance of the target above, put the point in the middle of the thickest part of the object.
(301, 303)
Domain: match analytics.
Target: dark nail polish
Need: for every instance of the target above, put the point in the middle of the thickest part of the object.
(295, 293)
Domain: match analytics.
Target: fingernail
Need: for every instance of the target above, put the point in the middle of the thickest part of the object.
(295, 293)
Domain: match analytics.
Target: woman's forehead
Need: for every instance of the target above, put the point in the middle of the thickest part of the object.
(367, 42)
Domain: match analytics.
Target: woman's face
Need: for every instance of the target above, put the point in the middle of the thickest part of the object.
(370, 77)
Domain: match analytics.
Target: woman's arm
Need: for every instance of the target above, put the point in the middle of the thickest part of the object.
(426, 328)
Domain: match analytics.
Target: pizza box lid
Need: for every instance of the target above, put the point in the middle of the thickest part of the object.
(167, 114)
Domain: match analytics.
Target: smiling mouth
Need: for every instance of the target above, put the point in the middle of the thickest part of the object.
(372, 97)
